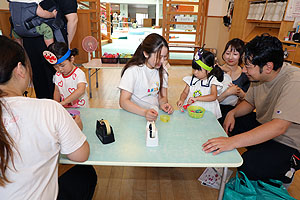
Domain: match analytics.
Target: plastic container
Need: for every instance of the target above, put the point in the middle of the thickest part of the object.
(109, 60)
(74, 112)
(124, 58)
(196, 111)
(164, 118)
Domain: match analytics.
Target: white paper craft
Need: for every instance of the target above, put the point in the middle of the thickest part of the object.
(151, 135)
(212, 176)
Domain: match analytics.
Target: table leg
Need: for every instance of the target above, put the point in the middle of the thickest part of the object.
(90, 85)
(96, 78)
(223, 181)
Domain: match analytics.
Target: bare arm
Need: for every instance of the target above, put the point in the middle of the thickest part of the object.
(78, 121)
(255, 136)
(56, 94)
(126, 103)
(163, 96)
(242, 109)
(44, 13)
(81, 154)
(75, 95)
(72, 19)
(163, 101)
(183, 95)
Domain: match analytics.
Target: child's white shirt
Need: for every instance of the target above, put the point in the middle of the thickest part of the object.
(229, 100)
(68, 84)
(143, 83)
(201, 88)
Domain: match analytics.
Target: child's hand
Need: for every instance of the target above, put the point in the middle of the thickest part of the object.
(167, 108)
(78, 121)
(63, 103)
(179, 103)
(151, 115)
(192, 100)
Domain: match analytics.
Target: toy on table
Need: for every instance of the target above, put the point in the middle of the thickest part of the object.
(196, 111)
(187, 105)
(164, 118)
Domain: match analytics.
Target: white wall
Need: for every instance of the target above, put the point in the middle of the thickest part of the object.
(217, 7)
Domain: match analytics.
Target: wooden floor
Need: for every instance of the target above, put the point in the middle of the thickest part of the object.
(134, 183)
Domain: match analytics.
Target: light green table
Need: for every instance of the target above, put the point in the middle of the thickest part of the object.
(180, 142)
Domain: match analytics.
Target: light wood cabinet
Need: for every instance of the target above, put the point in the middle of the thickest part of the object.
(247, 29)
(297, 56)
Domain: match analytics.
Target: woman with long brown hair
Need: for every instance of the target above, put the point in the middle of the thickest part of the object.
(33, 132)
(144, 80)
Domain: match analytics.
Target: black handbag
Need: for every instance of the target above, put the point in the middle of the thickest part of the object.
(296, 37)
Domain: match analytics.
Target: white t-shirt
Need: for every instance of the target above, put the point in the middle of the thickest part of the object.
(68, 84)
(229, 100)
(143, 83)
(201, 88)
(41, 129)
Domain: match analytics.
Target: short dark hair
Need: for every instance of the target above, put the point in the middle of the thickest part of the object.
(60, 49)
(263, 49)
(236, 44)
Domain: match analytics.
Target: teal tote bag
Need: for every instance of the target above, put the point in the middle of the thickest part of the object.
(239, 188)
(242, 188)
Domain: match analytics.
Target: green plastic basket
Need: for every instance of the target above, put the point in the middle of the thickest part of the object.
(196, 111)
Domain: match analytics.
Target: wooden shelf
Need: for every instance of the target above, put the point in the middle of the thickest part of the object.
(290, 42)
(263, 21)
(247, 29)
(260, 30)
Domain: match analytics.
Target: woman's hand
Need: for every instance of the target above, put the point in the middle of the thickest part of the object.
(166, 107)
(151, 115)
(233, 89)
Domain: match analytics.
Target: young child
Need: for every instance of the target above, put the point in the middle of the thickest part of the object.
(144, 80)
(202, 88)
(26, 22)
(70, 81)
